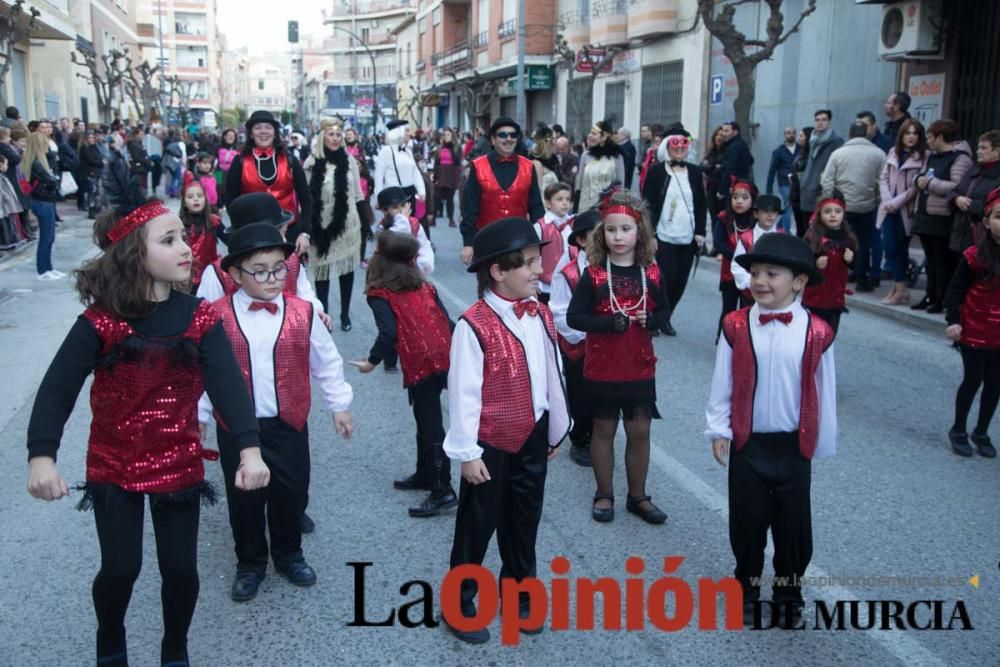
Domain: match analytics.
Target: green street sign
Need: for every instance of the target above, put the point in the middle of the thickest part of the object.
(539, 77)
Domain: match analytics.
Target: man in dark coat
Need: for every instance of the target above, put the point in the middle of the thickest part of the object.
(624, 139)
(736, 161)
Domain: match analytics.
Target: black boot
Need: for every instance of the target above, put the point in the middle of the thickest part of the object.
(442, 496)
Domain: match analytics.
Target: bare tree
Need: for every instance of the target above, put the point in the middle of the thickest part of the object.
(10, 34)
(182, 89)
(138, 85)
(590, 59)
(735, 45)
(104, 73)
(477, 95)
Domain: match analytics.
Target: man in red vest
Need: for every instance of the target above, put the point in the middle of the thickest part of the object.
(501, 184)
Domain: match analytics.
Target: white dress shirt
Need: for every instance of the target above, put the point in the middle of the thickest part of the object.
(741, 275)
(559, 302)
(425, 255)
(545, 287)
(210, 289)
(779, 349)
(390, 160)
(261, 330)
(676, 223)
(465, 377)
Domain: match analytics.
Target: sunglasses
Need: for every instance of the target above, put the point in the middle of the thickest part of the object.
(507, 135)
(678, 142)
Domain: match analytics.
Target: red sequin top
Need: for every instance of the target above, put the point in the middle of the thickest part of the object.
(495, 202)
(980, 310)
(830, 294)
(423, 334)
(204, 248)
(283, 186)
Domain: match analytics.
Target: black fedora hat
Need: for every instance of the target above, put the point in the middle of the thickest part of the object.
(783, 250)
(676, 129)
(252, 238)
(584, 222)
(504, 121)
(257, 207)
(393, 124)
(392, 196)
(501, 237)
(262, 117)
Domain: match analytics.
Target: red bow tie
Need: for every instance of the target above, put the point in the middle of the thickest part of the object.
(264, 152)
(528, 306)
(784, 318)
(509, 158)
(269, 306)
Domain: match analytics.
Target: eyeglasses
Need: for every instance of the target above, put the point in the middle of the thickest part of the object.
(507, 135)
(279, 273)
(678, 142)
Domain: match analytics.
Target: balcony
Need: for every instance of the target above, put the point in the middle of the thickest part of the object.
(507, 29)
(361, 8)
(454, 59)
(609, 21)
(651, 18)
(481, 41)
(576, 28)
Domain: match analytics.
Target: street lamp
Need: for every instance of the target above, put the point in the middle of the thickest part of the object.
(374, 74)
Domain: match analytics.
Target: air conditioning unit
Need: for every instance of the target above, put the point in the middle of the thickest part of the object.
(911, 29)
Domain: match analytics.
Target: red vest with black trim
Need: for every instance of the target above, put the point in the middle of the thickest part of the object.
(573, 351)
(552, 252)
(282, 187)
(204, 249)
(819, 336)
(981, 308)
(830, 294)
(495, 202)
(628, 356)
(291, 357)
(508, 413)
(423, 335)
(144, 433)
(293, 263)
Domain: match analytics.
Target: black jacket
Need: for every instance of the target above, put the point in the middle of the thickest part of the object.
(736, 161)
(45, 185)
(782, 165)
(654, 191)
(91, 161)
(628, 157)
(13, 160)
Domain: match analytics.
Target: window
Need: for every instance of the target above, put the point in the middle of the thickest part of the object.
(662, 93)
(579, 108)
(509, 9)
(364, 35)
(614, 103)
(260, 84)
(484, 16)
(436, 15)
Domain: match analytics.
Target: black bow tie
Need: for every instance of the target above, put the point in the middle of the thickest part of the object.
(677, 163)
(402, 149)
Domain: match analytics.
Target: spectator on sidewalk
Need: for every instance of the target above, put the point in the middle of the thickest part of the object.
(569, 163)
(91, 166)
(782, 165)
(711, 166)
(969, 197)
(897, 109)
(854, 170)
(736, 159)
(624, 139)
(11, 117)
(795, 182)
(883, 141)
(651, 158)
(950, 159)
(822, 142)
(138, 159)
(645, 139)
(44, 195)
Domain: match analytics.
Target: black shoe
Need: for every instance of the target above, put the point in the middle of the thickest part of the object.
(345, 323)
(299, 573)
(470, 636)
(434, 504)
(984, 446)
(307, 524)
(411, 483)
(245, 586)
(668, 329)
(876, 283)
(655, 333)
(603, 514)
(922, 304)
(580, 456)
(864, 286)
(960, 443)
(935, 308)
(391, 370)
(652, 515)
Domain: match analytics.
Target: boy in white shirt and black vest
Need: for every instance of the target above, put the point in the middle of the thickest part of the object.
(778, 414)
(279, 342)
(508, 408)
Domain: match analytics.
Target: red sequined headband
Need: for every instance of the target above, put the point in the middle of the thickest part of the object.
(621, 209)
(829, 200)
(992, 201)
(136, 219)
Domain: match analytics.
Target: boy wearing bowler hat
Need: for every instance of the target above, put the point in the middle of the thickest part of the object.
(766, 209)
(279, 342)
(778, 416)
(507, 408)
(395, 206)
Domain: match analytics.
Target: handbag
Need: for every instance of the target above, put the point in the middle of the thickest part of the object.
(67, 184)
(410, 190)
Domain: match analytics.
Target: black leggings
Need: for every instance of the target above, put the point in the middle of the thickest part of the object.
(346, 287)
(982, 368)
(119, 531)
(445, 201)
(602, 454)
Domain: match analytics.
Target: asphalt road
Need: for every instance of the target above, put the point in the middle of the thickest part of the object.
(894, 502)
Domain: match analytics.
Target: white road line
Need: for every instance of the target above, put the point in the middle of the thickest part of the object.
(904, 647)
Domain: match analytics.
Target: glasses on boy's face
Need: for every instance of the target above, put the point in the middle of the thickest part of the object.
(506, 135)
(262, 276)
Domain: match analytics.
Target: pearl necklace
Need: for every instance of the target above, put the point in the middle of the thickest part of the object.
(617, 307)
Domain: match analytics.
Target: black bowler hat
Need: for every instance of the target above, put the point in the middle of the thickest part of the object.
(501, 237)
(257, 207)
(392, 196)
(393, 124)
(767, 203)
(783, 250)
(262, 117)
(504, 121)
(253, 238)
(676, 129)
(584, 222)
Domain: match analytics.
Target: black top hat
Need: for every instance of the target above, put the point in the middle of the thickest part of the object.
(504, 121)
(257, 207)
(262, 117)
(584, 222)
(501, 237)
(392, 196)
(675, 129)
(767, 203)
(254, 238)
(393, 124)
(783, 250)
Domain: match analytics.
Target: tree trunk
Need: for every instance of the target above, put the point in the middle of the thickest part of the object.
(744, 99)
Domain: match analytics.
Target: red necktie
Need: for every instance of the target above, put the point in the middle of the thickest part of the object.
(264, 305)
(784, 318)
(264, 152)
(528, 306)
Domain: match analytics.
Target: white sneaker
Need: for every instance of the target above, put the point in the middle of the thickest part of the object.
(49, 276)
(59, 274)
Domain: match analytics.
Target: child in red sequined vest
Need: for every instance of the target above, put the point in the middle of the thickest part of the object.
(972, 305)
(834, 244)
(733, 227)
(152, 350)
(413, 322)
(204, 229)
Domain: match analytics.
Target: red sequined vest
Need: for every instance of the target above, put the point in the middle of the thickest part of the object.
(291, 357)
(573, 351)
(508, 413)
(144, 433)
(981, 309)
(495, 202)
(627, 356)
(830, 294)
(282, 187)
(819, 336)
(423, 335)
(293, 262)
(204, 249)
(553, 251)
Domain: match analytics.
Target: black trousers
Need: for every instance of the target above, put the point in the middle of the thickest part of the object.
(510, 504)
(579, 406)
(941, 262)
(278, 507)
(830, 315)
(769, 488)
(675, 262)
(119, 531)
(801, 221)
(445, 198)
(432, 464)
(865, 265)
(981, 369)
(346, 283)
(732, 299)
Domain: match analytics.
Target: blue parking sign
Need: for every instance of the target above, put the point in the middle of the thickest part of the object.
(715, 96)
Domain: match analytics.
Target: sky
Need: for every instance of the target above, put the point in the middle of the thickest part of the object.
(262, 25)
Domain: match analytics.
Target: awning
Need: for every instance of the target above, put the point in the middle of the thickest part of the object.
(53, 20)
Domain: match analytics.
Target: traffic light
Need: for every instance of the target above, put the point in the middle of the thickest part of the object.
(293, 32)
